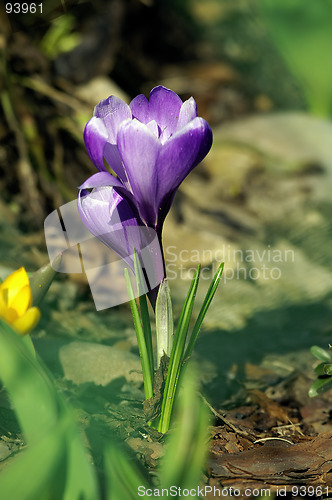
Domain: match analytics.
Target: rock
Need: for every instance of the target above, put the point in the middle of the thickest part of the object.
(84, 362)
(4, 451)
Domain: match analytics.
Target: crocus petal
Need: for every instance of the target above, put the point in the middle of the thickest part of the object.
(180, 154)
(106, 179)
(100, 179)
(112, 111)
(106, 214)
(111, 155)
(28, 321)
(14, 283)
(188, 112)
(96, 208)
(165, 108)
(22, 300)
(206, 141)
(139, 149)
(140, 109)
(95, 138)
(153, 126)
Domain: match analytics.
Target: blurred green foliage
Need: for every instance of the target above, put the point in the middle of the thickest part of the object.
(60, 37)
(301, 30)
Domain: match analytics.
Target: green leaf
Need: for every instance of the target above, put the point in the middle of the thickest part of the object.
(123, 475)
(205, 306)
(320, 353)
(176, 358)
(164, 321)
(187, 445)
(31, 474)
(320, 386)
(328, 369)
(319, 369)
(142, 347)
(144, 312)
(27, 384)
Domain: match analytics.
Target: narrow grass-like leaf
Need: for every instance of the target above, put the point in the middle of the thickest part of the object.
(186, 446)
(143, 351)
(176, 358)
(123, 475)
(164, 321)
(144, 312)
(205, 306)
(55, 464)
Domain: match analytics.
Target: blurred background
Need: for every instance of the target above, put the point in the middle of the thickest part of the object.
(261, 74)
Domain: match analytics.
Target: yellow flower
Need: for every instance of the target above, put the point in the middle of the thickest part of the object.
(16, 301)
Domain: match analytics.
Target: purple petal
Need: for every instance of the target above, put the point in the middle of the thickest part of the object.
(140, 109)
(180, 154)
(188, 112)
(95, 138)
(154, 128)
(112, 111)
(111, 155)
(106, 179)
(109, 217)
(165, 108)
(139, 149)
(206, 141)
(100, 179)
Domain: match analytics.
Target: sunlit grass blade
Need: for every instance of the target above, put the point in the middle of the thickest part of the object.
(164, 321)
(144, 312)
(186, 447)
(123, 475)
(205, 306)
(142, 347)
(48, 467)
(176, 358)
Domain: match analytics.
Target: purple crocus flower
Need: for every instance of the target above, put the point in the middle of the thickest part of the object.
(110, 218)
(150, 145)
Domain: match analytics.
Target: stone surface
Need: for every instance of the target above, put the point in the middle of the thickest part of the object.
(4, 451)
(84, 362)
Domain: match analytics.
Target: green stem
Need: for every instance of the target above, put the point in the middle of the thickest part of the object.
(144, 313)
(142, 346)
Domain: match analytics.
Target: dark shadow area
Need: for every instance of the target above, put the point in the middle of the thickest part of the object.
(288, 330)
